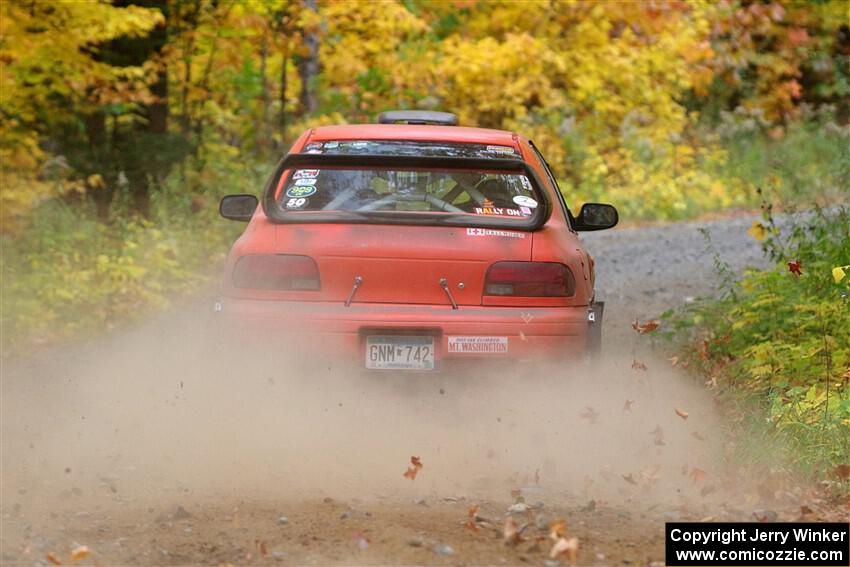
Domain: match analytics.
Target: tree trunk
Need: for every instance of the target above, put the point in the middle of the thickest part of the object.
(281, 117)
(309, 67)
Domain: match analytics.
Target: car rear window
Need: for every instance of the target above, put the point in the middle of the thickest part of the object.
(403, 182)
(479, 193)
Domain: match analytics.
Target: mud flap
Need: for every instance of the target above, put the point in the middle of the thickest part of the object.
(594, 331)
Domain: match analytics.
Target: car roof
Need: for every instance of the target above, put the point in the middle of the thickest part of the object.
(415, 132)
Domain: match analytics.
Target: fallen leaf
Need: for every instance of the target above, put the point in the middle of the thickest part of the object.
(589, 414)
(53, 558)
(638, 365)
(659, 435)
(628, 405)
(647, 327)
(360, 539)
(568, 547)
(651, 475)
(682, 413)
(511, 534)
(703, 349)
(697, 475)
(80, 552)
(471, 524)
(674, 360)
(411, 472)
(630, 479)
(557, 529)
(795, 268)
(842, 472)
(805, 510)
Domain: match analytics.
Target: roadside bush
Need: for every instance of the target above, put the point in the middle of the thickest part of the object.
(781, 337)
(71, 273)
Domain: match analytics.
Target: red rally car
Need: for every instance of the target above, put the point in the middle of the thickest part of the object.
(414, 243)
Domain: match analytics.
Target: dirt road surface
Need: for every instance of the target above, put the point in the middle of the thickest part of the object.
(156, 445)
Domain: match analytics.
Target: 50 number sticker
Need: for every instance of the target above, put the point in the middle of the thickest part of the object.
(296, 203)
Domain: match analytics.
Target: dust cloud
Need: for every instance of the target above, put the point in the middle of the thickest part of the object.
(173, 412)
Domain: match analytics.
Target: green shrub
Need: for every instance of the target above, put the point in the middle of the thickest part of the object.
(783, 338)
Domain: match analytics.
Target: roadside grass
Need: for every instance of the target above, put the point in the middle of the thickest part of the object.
(73, 274)
(777, 345)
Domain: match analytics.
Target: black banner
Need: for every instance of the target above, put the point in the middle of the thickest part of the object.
(748, 543)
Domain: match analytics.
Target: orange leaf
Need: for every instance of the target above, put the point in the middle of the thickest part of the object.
(416, 462)
(471, 523)
(647, 327)
(80, 552)
(697, 475)
(682, 413)
(53, 558)
(558, 529)
(843, 471)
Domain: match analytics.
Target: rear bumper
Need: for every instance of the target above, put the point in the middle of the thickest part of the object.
(333, 329)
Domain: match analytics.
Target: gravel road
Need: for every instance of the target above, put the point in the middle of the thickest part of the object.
(150, 447)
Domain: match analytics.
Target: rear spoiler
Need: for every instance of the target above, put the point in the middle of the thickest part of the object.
(435, 163)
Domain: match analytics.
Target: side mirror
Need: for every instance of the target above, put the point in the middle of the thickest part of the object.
(596, 216)
(238, 207)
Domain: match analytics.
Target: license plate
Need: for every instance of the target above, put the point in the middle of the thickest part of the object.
(384, 352)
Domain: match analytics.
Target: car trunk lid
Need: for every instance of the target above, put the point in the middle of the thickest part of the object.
(402, 264)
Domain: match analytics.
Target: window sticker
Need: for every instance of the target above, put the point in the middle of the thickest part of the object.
(491, 232)
(525, 201)
(478, 345)
(313, 146)
(501, 150)
(305, 182)
(498, 211)
(297, 203)
(296, 191)
(305, 174)
(331, 145)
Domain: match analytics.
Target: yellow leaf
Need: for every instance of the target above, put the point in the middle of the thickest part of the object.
(757, 231)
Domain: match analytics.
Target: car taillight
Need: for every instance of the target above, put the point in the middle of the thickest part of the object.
(530, 279)
(277, 271)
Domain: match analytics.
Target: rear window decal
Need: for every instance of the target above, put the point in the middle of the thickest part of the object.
(493, 232)
(501, 149)
(296, 191)
(478, 345)
(297, 203)
(304, 182)
(313, 146)
(524, 201)
(305, 174)
(498, 211)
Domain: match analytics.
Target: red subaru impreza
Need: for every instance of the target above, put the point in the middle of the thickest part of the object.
(414, 243)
